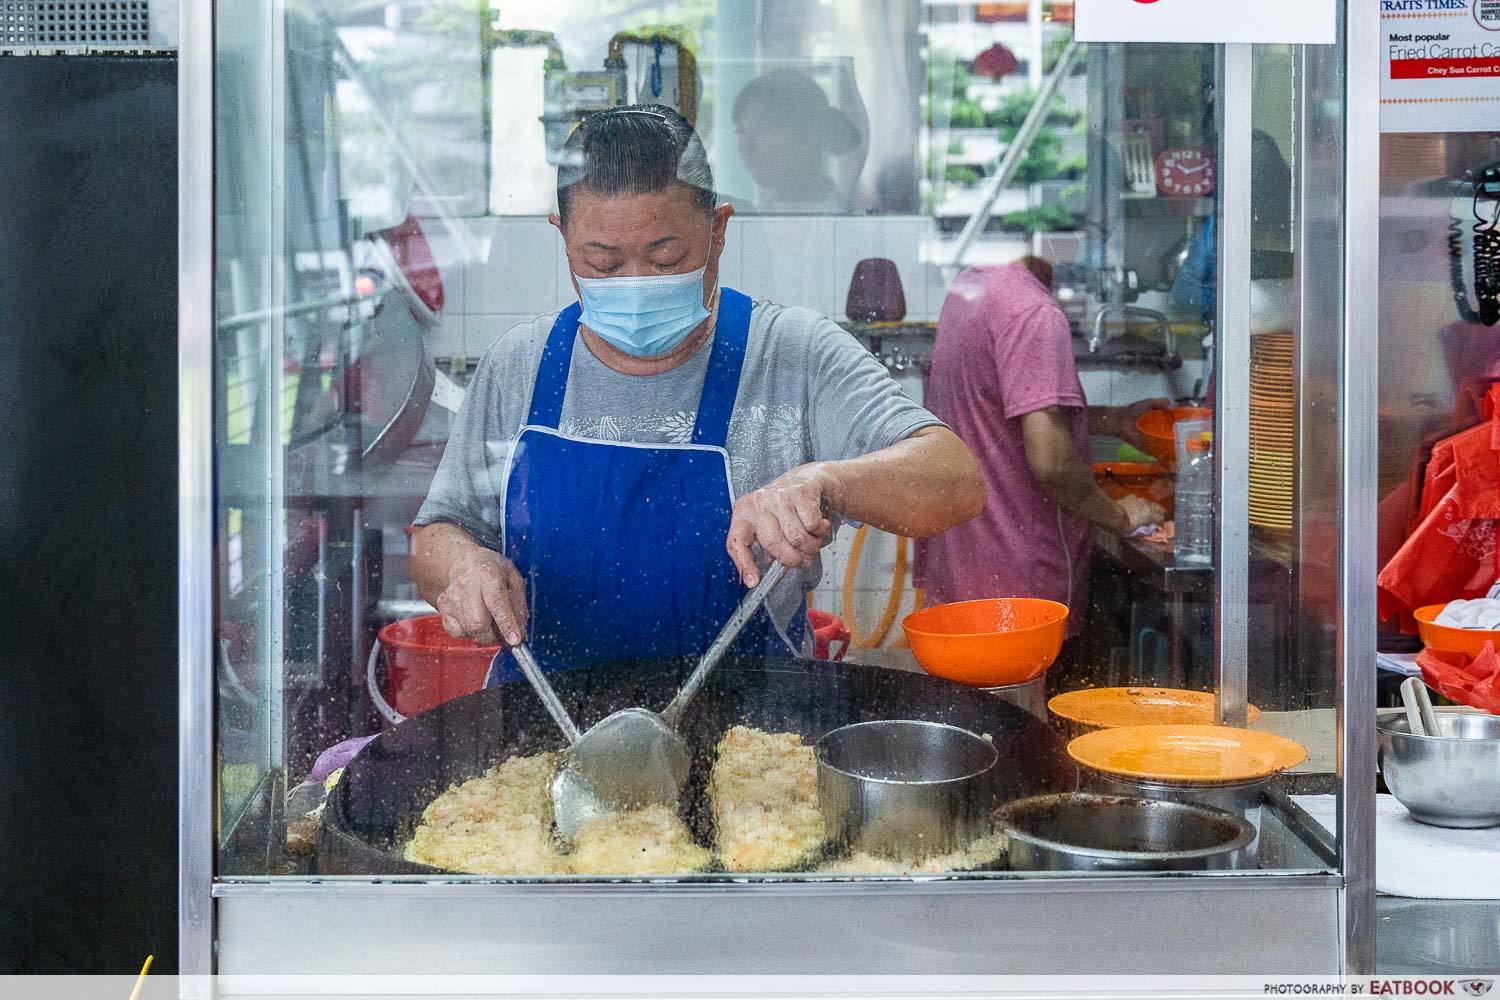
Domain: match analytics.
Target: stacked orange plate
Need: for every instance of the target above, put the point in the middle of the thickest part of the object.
(1114, 708)
(1273, 422)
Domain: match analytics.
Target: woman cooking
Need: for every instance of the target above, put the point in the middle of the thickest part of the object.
(616, 466)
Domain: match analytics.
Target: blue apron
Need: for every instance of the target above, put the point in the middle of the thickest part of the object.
(622, 544)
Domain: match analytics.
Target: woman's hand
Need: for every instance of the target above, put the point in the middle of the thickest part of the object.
(786, 517)
(485, 599)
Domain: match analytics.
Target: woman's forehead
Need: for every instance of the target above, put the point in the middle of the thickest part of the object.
(635, 220)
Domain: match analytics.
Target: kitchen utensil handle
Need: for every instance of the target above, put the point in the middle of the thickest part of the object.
(544, 691)
(1419, 714)
(730, 632)
(1424, 705)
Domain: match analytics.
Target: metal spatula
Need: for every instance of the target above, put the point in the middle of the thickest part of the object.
(634, 757)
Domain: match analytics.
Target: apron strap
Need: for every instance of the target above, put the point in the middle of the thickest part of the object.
(552, 372)
(722, 383)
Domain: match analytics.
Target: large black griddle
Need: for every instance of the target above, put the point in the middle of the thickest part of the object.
(373, 810)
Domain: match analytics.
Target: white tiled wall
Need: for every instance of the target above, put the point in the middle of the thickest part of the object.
(1109, 387)
(790, 260)
(448, 339)
(520, 271)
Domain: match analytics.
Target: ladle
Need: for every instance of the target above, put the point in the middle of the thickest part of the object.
(635, 757)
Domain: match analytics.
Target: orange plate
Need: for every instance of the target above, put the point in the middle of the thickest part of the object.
(1156, 427)
(1189, 754)
(989, 643)
(1457, 640)
(1110, 708)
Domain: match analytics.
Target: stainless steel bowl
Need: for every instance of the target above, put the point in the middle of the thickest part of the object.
(1080, 831)
(903, 789)
(1451, 779)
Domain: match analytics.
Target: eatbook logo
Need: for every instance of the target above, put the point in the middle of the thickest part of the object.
(1478, 987)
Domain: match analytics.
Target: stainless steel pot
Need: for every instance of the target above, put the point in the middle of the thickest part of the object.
(1242, 799)
(1449, 779)
(903, 789)
(1078, 831)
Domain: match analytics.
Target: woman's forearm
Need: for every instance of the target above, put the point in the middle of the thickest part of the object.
(1052, 456)
(1109, 421)
(1074, 489)
(918, 487)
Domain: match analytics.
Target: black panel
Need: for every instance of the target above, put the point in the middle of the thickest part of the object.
(88, 516)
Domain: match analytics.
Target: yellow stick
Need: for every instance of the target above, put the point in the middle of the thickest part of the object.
(141, 979)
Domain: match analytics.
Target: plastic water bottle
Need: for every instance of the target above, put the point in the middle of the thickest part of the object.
(1195, 495)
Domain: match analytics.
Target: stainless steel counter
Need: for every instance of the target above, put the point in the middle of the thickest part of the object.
(1155, 565)
(1454, 937)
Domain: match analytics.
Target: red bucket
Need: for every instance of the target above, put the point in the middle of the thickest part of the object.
(827, 630)
(425, 666)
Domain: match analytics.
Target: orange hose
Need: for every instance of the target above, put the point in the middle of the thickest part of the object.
(893, 600)
(919, 601)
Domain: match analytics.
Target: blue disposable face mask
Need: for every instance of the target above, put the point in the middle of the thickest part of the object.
(644, 316)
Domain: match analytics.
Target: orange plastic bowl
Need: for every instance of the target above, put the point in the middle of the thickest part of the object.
(989, 643)
(1445, 637)
(1156, 428)
(1147, 480)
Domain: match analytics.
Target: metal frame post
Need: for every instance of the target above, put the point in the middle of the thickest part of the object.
(1359, 411)
(195, 492)
(1232, 397)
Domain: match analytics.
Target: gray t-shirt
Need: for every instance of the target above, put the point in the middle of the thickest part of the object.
(808, 392)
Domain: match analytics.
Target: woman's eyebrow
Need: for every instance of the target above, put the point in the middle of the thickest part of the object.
(594, 244)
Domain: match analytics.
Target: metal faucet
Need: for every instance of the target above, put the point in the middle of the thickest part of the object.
(1163, 326)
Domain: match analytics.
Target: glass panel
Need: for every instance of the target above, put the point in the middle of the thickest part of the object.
(1439, 260)
(944, 212)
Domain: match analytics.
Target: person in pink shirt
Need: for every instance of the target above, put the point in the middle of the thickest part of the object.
(1003, 378)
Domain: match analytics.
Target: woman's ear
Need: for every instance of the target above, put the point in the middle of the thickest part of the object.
(722, 215)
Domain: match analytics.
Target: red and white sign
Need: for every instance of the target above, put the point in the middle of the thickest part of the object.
(1289, 22)
(1442, 65)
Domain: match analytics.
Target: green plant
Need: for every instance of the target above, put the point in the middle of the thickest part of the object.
(1052, 51)
(963, 77)
(1040, 162)
(961, 175)
(966, 114)
(1074, 166)
(1042, 219)
(1015, 107)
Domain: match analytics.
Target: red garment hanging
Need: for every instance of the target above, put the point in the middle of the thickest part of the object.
(1475, 683)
